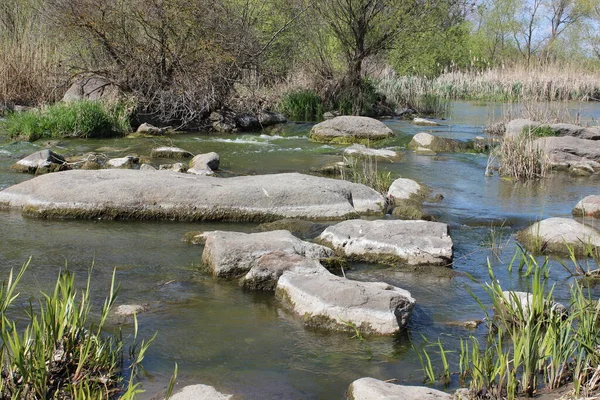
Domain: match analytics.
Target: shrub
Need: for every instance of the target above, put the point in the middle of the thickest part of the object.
(84, 119)
(60, 354)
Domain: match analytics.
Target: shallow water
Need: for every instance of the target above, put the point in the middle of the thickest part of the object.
(245, 343)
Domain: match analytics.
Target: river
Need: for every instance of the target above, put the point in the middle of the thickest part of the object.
(245, 343)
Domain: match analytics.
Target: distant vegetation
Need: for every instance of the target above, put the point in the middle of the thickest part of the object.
(183, 59)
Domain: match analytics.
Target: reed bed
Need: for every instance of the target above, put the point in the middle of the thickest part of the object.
(542, 83)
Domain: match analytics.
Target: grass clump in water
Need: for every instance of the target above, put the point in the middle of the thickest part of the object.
(521, 158)
(366, 172)
(82, 119)
(60, 354)
(532, 341)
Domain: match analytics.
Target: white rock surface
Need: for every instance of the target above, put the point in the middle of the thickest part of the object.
(553, 234)
(331, 302)
(391, 241)
(374, 389)
(404, 189)
(362, 150)
(200, 392)
(588, 206)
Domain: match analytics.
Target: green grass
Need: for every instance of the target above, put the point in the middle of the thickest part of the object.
(301, 105)
(540, 131)
(61, 353)
(364, 170)
(531, 345)
(82, 119)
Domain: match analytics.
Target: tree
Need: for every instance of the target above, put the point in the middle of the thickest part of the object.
(366, 28)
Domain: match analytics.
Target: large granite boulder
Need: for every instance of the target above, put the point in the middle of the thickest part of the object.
(134, 194)
(360, 150)
(350, 129)
(200, 392)
(92, 88)
(589, 206)
(41, 162)
(566, 152)
(330, 302)
(413, 243)
(170, 152)
(374, 389)
(428, 143)
(233, 254)
(553, 235)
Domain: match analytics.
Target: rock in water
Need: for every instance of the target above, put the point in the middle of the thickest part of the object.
(41, 162)
(200, 392)
(426, 142)
(374, 389)
(131, 194)
(391, 241)
(349, 129)
(170, 152)
(331, 302)
(553, 235)
(589, 206)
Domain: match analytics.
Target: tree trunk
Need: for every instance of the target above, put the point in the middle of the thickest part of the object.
(356, 85)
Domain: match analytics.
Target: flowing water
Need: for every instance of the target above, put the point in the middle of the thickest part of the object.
(245, 343)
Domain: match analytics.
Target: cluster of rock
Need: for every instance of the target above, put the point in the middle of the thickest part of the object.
(567, 147)
(294, 269)
(46, 161)
(228, 121)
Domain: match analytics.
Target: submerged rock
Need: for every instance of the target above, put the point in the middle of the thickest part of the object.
(350, 129)
(128, 194)
(424, 122)
(426, 142)
(170, 152)
(41, 162)
(331, 302)
(233, 254)
(553, 235)
(128, 310)
(589, 206)
(374, 389)
(362, 150)
(198, 392)
(391, 242)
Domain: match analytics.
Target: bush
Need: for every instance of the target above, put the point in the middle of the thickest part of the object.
(302, 105)
(59, 354)
(82, 119)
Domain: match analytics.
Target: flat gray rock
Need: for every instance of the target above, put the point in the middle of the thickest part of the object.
(233, 254)
(581, 132)
(374, 389)
(589, 206)
(128, 162)
(552, 235)
(129, 194)
(330, 302)
(200, 392)
(41, 162)
(350, 129)
(566, 152)
(391, 241)
(362, 150)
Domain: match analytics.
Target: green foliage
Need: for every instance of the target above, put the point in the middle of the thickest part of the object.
(540, 131)
(77, 119)
(531, 342)
(302, 105)
(60, 354)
